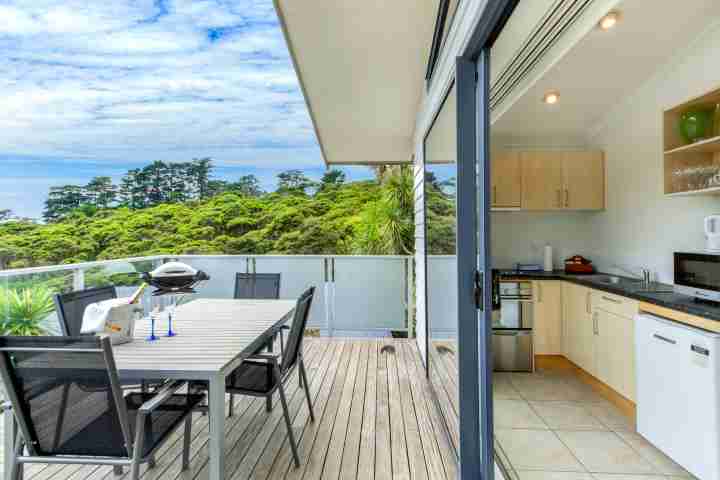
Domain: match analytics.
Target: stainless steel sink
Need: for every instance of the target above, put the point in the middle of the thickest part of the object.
(632, 284)
(613, 280)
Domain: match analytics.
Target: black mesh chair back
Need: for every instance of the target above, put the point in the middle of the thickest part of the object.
(70, 307)
(257, 285)
(66, 395)
(295, 337)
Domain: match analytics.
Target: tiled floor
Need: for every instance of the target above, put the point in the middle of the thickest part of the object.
(552, 426)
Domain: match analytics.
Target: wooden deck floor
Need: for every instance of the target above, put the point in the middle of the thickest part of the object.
(375, 419)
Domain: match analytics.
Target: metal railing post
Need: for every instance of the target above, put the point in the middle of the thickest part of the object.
(410, 296)
(78, 279)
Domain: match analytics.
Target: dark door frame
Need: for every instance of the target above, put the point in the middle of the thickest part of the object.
(473, 245)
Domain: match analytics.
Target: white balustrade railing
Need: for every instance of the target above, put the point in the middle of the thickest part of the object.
(355, 295)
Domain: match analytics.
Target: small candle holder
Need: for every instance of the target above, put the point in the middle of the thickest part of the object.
(152, 336)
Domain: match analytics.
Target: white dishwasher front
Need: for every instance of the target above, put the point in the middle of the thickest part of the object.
(677, 392)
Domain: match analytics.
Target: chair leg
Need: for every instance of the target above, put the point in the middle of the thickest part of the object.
(232, 405)
(118, 470)
(306, 387)
(282, 341)
(135, 470)
(268, 403)
(288, 423)
(186, 443)
(16, 468)
(151, 462)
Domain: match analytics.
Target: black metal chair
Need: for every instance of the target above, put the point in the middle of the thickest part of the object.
(263, 286)
(70, 409)
(70, 307)
(264, 373)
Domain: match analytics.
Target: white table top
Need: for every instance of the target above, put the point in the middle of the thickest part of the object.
(213, 337)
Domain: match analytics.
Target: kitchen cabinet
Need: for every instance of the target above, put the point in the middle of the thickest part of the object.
(547, 325)
(584, 180)
(562, 180)
(542, 180)
(614, 327)
(615, 352)
(506, 180)
(579, 334)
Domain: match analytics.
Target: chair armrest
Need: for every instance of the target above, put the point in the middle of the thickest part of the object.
(160, 397)
(273, 357)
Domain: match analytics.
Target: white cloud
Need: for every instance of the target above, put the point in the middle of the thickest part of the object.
(150, 79)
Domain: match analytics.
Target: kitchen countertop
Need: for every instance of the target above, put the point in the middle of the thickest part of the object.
(658, 294)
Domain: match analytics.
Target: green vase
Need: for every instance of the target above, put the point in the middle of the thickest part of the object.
(696, 125)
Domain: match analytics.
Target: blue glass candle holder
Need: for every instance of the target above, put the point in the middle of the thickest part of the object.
(170, 332)
(152, 336)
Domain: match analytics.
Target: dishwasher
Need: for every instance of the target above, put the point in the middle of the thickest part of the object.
(677, 392)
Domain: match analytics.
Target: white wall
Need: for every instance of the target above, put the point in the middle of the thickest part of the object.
(641, 226)
(521, 236)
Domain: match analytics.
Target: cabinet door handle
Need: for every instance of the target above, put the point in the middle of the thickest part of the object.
(495, 194)
(567, 198)
(559, 198)
(587, 303)
(613, 300)
(596, 327)
(665, 339)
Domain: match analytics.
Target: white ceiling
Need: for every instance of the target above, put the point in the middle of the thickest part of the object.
(604, 67)
(361, 65)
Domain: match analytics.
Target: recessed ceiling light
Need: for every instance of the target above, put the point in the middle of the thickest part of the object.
(551, 97)
(609, 20)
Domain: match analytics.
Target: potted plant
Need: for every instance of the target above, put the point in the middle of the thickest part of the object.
(22, 312)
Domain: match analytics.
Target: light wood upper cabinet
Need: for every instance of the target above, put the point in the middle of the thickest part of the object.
(506, 180)
(562, 180)
(584, 180)
(542, 180)
(547, 326)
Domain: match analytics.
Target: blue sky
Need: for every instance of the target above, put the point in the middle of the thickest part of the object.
(95, 87)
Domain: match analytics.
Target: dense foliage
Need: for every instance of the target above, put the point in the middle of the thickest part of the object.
(301, 217)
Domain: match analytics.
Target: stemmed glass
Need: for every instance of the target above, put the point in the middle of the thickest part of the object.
(171, 313)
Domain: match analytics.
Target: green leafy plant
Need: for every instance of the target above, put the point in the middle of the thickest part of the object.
(23, 311)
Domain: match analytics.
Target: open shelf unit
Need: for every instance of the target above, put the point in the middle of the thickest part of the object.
(688, 167)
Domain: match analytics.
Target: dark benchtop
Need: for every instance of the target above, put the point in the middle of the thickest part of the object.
(658, 293)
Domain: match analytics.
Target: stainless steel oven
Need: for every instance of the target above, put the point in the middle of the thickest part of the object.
(513, 328)
(698, 274)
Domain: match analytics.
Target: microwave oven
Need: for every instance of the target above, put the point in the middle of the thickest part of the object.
(698, 275)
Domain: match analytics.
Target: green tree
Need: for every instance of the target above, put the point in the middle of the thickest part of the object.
(387, 226)
(247, 185)
(294, 181)
(100, 192)
(332, 178)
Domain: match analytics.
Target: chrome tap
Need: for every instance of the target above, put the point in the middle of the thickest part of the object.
(645, 275)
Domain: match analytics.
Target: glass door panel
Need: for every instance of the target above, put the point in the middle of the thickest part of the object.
(441, 264)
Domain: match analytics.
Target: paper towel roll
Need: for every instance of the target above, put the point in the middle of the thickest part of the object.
(548, 260)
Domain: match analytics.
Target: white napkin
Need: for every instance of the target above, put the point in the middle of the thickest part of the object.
(96, 314)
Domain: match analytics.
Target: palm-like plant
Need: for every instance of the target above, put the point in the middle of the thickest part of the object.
(23, 311)
(387, 226)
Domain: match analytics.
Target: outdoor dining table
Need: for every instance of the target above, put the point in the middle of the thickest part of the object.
(213, 337)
